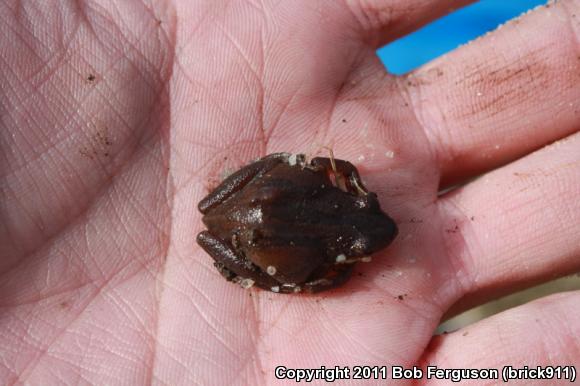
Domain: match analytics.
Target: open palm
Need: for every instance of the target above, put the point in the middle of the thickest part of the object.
(117, 118)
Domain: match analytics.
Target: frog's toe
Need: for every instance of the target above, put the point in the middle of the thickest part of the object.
(226, 273)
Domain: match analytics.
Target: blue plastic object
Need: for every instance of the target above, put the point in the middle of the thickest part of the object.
(445, 34)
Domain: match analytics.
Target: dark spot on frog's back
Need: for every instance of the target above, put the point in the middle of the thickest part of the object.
(281, 224)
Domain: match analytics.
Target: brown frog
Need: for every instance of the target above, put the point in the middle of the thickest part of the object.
(287, 225)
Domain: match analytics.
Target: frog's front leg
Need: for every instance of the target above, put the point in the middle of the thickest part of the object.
(231, 265)
(347, 170)
(333, 278)
(239, 179)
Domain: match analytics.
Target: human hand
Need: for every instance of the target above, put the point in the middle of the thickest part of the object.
(118, 117)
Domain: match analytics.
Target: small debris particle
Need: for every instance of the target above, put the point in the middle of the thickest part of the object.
(341, 258)
(85, 152)
(91, 77)
(343, 120)
(247, 283)
(275, 289)
(465, 333)
(271, 270)
(390, 154)
(453, 230)
(366, 259)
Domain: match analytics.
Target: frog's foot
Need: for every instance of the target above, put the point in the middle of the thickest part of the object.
(231, 265)
(244, 282)
(226, 273)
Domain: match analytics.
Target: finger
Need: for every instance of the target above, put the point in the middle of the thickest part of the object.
(516, 226)
(381, 21)
(541, 333)
(503, 95)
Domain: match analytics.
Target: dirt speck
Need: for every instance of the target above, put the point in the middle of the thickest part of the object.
(455, 229)
(99, 144)
(102, 137)
(87, 153)
(437, 72)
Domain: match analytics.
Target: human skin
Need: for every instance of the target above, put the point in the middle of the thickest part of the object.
(116, 118)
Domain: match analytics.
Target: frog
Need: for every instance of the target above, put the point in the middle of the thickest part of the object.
(290, 225)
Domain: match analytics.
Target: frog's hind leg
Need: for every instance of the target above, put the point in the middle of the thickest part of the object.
(226, 273)
(239, 179)
(232, 266)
